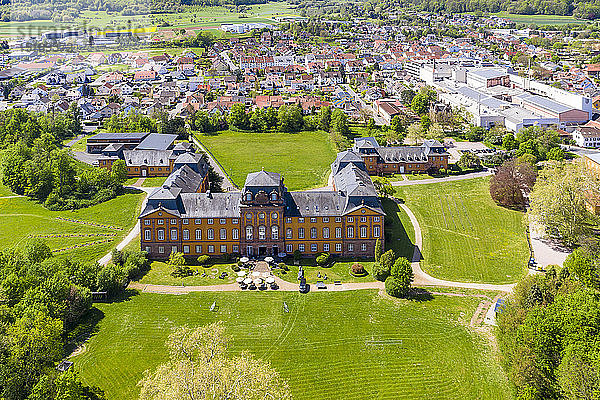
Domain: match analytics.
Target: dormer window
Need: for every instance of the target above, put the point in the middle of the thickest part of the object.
(273, 196)
(248, 196)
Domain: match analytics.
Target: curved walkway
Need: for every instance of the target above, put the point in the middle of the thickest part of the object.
(421, 278)
(472, 175)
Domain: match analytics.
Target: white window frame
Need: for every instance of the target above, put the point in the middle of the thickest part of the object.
(147, 235)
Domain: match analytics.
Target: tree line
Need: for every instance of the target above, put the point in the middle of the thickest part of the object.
(43, 300)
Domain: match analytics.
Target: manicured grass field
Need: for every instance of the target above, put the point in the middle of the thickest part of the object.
(154, 182)
(345, 345)
(466, 236)
(160, 274)
(303, 158)
(337, 271)
(21, 218)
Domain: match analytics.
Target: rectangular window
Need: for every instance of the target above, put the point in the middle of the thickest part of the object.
(146, 222)
(313, 220)
(160, 221)
(338, 232)
(161, 249)
(186, 249)
(222, 221)
(288, 220)
(326, 247)
(350, 232)
(300, 233)
(338, 219)
(350, 219)
(211, 249)
(235, 233)
(375, 219)
(209, 221)
(198, 234)
(288, 233)
(160, 234)
(289, 248)
(301, 220)
(313, 247)
(147, 234)
(376, 231)
(363, 219)
(186, 234)
(223, 248)
(235, 248)
(148, 249)
(198, 221)
(185, 221)
(301, 247)
(173, 221)
(325, 233)
(363, 247)
(325, 219)
(223, 233)
(174, 249)
(198, 249)
(350, 247)
(211, 234)
(338, 247)
(313, 233)
(173, 234)
(234, 221)
(363, 231)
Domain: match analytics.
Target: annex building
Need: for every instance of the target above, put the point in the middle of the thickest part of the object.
(264, 218)
(381, 160)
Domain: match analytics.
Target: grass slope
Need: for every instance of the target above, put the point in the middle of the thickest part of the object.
(351, 345)
(21, 218)
(466, 236)
(302, 158)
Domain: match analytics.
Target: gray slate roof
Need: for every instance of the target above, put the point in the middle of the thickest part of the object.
(185, 179)
(154, 158)
(157, 141)
(263, 178)
(211, 205)
(313, 204)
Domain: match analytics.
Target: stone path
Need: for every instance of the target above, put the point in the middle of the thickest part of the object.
(440, 180)
(546, 251)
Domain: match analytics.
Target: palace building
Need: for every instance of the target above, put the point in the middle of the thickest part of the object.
(264, 218)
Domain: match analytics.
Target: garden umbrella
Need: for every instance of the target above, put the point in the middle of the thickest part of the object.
(247, 281)
(241, 273)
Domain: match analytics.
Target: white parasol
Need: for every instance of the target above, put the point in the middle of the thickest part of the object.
(241, 273)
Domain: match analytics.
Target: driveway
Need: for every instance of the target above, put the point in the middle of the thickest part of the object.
(440, 180)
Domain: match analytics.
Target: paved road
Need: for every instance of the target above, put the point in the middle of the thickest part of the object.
(378, 119)
(74, 140)
(440, 180)
(227, 186)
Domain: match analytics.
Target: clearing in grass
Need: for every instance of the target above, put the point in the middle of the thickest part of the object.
(303, 159)
(466, 236)
(345, 345)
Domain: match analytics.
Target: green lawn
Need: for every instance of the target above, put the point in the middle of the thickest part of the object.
(466, 236)
(21, 218)
(160, 274)
(345, 345)
(541, 19)
(338, 271)
(154, 182)
(303, 158)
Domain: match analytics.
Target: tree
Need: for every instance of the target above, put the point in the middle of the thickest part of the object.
(290, 118)
(556, 154)
(436, 132)
(383, 268)
(395, 287)
(509, 142)
(378, 249)
(380, 272)
(339, 122)
(415, 133)
(583, 263)
(397, 125)
(324, 118)
(199, 367)
(558, 201)
(512, 183)
(238, 116)
(118, 171)
(383, 186)
(406, 96)
(176, 258)
(469, 160)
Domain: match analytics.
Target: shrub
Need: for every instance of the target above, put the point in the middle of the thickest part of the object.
(111, 279)
(204, 259)
(396, 287)
(358, 269)
(387, 260)
(380, 272)
(181, 271)
(323, 259)
(235, 267)
(297, 255)
(283, 266)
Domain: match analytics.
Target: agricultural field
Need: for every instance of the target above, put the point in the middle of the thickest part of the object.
(303, 159)
(350, 345)
(466, 236)
(95, 230)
